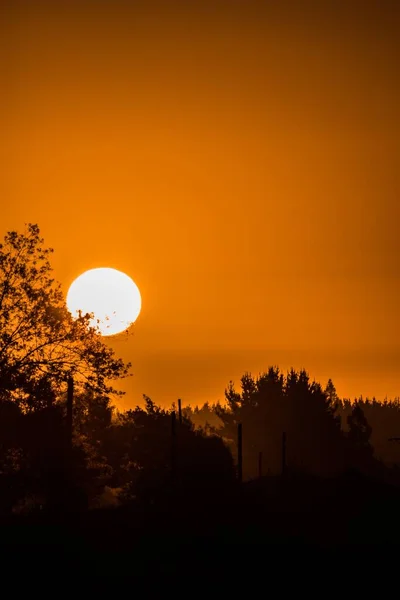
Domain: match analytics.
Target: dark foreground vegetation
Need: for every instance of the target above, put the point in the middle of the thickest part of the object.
(282, 470)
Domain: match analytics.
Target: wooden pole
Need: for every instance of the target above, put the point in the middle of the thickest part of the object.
(283, 453)
(173, 444)
(180, 411)
(260, 465)
(70, 405)
(240, 453)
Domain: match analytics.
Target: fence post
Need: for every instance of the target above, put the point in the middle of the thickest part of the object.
(240, 453)
(70, 405)
(283, 453)
(180, 411)
(173, 444)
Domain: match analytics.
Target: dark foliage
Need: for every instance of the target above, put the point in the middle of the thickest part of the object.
(151, 451)
(40, 343)
(176, 477)
(272, 404)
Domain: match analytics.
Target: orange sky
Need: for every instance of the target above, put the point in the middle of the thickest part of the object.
(240, 163)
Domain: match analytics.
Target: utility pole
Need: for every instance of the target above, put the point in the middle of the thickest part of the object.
(173, 444)
(70, 405)
(67, 487)
(240, 453)
(180, 411)
(283, 453)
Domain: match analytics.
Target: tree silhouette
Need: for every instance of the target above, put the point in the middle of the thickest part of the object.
(331, 395)
(139, 446)
(314, 434)
(203, 416)
(359, 428)
(272, 404)
(259, 407)
(359, 435)
(40, 343)
(384, 418)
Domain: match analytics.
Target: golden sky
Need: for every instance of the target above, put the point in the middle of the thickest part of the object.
(239, 162)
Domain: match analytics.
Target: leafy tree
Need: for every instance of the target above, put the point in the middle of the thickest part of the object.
(384, 418)
(40, 342)
(37, 463)
(331, 395)
(139, 448)
(260, 408)
(315, 440)
(92, 420)
(359, 435)
(203, 417)
(359, 429)
(40, 346)
(272, 404)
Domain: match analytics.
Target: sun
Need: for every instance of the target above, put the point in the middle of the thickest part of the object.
(112, 296)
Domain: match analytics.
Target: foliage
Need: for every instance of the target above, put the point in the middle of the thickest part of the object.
(40, 343)
(147, 457)
(384, 419)
(271, 404)
(36, 459)
(359, 428)
(139, 451)
(204, 417)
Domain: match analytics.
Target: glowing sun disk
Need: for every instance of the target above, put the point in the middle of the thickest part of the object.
(112, 297)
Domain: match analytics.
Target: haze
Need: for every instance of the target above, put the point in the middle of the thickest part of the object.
(240, 163)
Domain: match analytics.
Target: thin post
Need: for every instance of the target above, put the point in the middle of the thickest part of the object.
(70, 405)
(240, 453)
(180, 411)
(284, 453)
(173, 443)
(260, 465)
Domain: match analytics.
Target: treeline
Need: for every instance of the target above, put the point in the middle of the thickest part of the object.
(115, 457)
(384, 420)
(147, 454)
(322, 429)
(144, 454)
